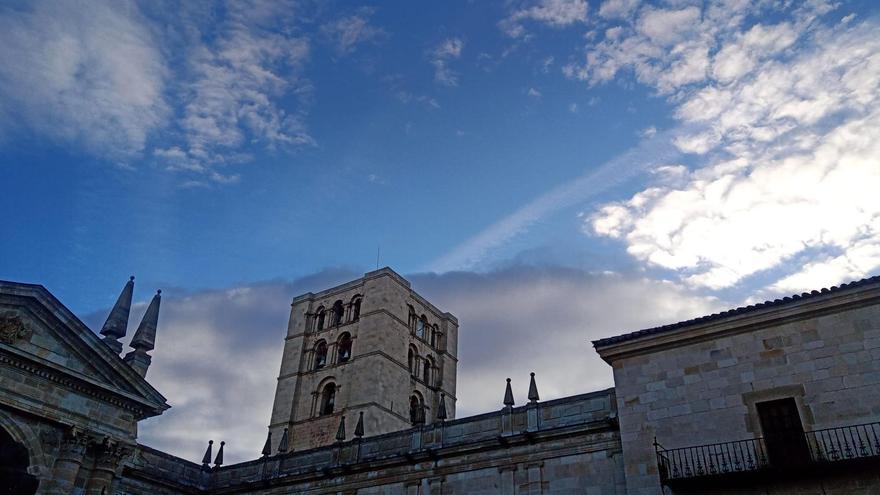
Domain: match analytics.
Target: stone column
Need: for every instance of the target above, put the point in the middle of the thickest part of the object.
(68, 463)
(107, 456)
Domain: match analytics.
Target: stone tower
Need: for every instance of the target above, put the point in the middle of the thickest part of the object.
(370, 346)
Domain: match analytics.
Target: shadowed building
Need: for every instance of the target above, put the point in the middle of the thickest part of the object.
(779, 397)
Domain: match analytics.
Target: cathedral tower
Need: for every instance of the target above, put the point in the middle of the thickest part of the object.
(370, 346)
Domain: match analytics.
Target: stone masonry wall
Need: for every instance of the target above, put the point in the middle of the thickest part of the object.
(824, 353)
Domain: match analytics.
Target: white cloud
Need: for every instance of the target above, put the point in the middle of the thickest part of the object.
(791, 159)
(554, 13)
(87, 74)
(350, 31)
(573, 107)
(534, 93)
(449, 49)
(613, 9)
(218, 352)
(238, 79)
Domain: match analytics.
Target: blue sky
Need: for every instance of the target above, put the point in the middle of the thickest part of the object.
(681, 155)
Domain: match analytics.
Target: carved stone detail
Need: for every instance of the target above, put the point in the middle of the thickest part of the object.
(12, 328)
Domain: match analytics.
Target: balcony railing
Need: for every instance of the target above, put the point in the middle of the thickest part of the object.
(766, 454)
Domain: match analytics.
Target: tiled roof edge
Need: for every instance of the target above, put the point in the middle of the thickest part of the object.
(736, 312)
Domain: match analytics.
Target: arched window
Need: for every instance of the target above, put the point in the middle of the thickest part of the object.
(416, 409)
(343, 347)
(319, 318)
(426, 370)
(356, 308)
(434, 334)
(328, 399)
(320, 354)
(412, 360)
(338, 312)
(420, 327)
(411, 323)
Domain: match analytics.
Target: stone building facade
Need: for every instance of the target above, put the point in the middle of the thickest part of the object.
(370, 347)
(779, 397)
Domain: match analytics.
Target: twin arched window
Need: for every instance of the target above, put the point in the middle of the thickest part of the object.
(320, 316)
(343, 348)
(328, 399)
(338, 313)
(412, 360)
(421, 325)
(320, 354)
(416, 409)
(356, 308)
(426, 370)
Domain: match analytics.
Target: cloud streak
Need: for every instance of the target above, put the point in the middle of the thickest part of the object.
(471, 253)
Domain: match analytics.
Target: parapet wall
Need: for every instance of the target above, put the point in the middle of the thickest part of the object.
(550, 447)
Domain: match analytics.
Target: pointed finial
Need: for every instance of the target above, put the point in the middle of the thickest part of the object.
(267, 447)
(359, 428)
(340, 433)
(508, 395)
(117, 321)
(218, 461)
(441, 410)
(206, 459)
(145, 337)
(533, 390)
(284, 444)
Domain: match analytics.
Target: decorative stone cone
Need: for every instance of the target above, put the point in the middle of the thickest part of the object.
(267, 447)
(508, 395)
(218, 461)
(533, 390)
(284, 444)
(340, 433)
(359, 429)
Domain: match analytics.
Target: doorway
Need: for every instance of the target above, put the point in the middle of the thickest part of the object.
(783, 433)
(14, 462)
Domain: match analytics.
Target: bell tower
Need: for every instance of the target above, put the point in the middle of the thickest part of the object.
(370, 346)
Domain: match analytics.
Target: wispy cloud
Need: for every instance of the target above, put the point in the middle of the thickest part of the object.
(101, 76)
(450, 49)
(87, 74)
(554, 13)
(349, 32)
(237, 81)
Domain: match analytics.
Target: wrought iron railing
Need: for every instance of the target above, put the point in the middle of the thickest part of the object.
(830, 445)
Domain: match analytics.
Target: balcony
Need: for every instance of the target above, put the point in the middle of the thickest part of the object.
(770, 457)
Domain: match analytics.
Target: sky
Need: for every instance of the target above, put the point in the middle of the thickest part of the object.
(550, 171)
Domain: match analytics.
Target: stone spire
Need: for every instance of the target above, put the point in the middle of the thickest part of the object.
(218, 461)
(145, 338)
(267, 447)
(533, 391)
(117, 321)
(340, 433)
(359, 428)
(284, 444)
(441, 409)
(508, 395)
(206, 459)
